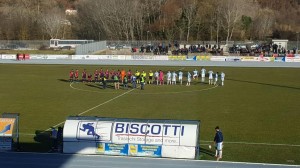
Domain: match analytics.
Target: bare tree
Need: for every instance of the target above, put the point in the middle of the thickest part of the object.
(232, 11)
(189, 10)
(263, 23)
(171, 12)
(53, 21)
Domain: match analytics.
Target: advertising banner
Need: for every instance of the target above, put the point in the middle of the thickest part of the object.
(5, 143)
(130, 137)
(154, 133)
(128, 149)
(132, 132)
(176, 57)
(217, 58)
(40, 56)
(256, 59)
(292, 59)
(8, 56)
(279, 59)
(6, 126)
(233, 58)
(161, 57)
(248, 58)
(263, 59)
(144, 150)
(142, 57)
(116, 149)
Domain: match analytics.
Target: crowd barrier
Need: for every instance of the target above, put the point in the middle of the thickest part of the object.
(288, 58)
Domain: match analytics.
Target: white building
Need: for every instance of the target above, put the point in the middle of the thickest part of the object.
(280, 42)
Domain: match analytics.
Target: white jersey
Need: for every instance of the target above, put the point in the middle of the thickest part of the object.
(210, 74)
(180, 74)
(169, 75)
(222, 76)
(195, 72)
(203, 71)
(174, 75)
(216, 76)
(189, 76)
(156, 74)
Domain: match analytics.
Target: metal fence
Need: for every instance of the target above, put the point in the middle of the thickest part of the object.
(23, 44)
(44, 44)
(90, 48)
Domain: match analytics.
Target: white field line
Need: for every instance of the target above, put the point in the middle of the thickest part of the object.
(210, 142)
(256, 143)
(94, 106)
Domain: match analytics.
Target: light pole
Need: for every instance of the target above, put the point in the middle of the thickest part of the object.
(147, 35)
(297, 43)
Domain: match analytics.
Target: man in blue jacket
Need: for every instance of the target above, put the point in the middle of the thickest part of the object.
(218, 140)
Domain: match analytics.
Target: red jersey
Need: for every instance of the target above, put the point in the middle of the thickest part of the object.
(84, 74)
(71, 74)
(76, 74)
(96, 74)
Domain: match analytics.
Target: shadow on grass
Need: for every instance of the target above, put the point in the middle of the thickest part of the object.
(100, 86)
(43, 143)
(63, 80)
(94, 86)
(267, 84)
(207, 152)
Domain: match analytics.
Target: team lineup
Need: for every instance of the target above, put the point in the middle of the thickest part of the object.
(159, 77)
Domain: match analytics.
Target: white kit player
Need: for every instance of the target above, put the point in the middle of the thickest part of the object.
(222, 78)
(156, 74)
(195, 74)
(203, 72)
(174, 76)
(216, 78)
(169, 75)
(189, 78)
(180, 76)
(210, 77)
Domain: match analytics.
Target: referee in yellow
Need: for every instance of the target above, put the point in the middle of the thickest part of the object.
(150, 77)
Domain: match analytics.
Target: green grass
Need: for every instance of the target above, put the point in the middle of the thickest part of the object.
(256, 105)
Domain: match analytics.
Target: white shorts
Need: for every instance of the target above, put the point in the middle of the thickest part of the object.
(180, 78)
(219, 146)
(203, 75)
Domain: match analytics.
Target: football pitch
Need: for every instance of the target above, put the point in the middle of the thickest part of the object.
(257, 109)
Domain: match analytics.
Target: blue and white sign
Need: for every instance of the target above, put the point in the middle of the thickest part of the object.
(88, 135)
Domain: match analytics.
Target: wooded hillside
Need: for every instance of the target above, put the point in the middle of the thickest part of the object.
(184, 20)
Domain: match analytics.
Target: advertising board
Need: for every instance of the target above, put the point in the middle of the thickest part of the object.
(5, 143)
(292, 59)
(6, 127)
(217, 58)
(130, 137)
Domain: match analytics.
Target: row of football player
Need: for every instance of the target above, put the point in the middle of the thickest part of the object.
(158, 76)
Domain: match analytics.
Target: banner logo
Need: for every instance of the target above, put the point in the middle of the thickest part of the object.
(89, 129)
(6, 126)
